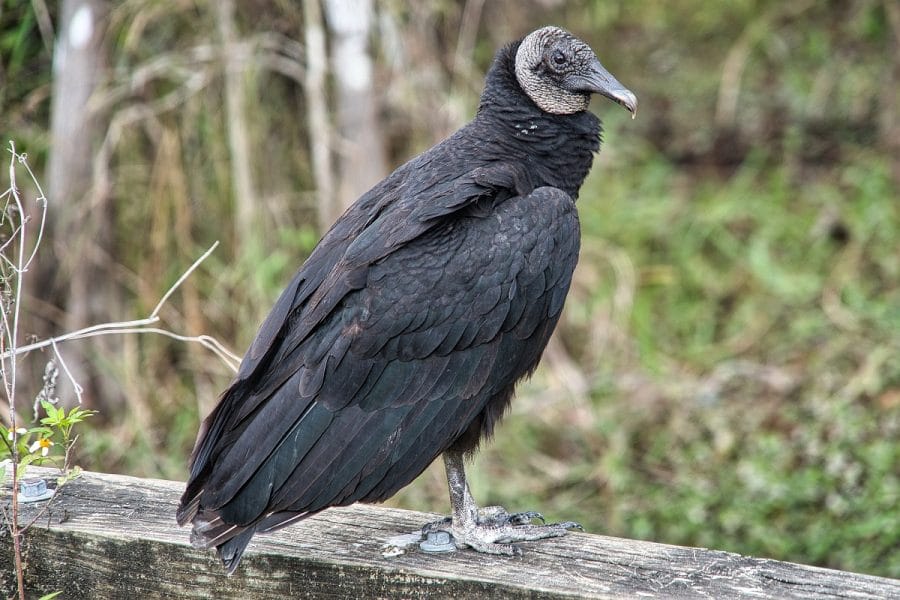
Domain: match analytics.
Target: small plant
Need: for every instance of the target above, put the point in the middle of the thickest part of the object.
(51, 439)
(16, 255)
(38, 445)
(61, 422)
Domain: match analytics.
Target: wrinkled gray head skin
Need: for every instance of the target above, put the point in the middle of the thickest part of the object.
(559, 73)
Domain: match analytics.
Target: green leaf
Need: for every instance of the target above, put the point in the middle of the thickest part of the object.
(24, 461)
(71, 474)
(77, 415)
(49, 408)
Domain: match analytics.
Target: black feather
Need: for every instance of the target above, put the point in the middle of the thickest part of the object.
(406, 330)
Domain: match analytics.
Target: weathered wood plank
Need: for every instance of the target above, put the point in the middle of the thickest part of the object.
(111, 536)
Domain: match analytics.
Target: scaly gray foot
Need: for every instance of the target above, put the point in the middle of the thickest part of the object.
(494, 529)
(495, 516)
(491, 530)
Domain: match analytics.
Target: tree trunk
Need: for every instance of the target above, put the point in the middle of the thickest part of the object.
(317, 114)
(81, 216)
(361, 155)
(245, 213)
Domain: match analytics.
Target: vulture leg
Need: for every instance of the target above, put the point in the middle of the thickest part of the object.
(492, 529)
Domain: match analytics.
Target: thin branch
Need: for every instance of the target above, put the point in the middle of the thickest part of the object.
(11, 335)
(181, 279)
(231, 360)
(12, 237)
(76, 387)
(20, 268)
(465, 41)
(42, 199)
(81, 334)
(140, 326)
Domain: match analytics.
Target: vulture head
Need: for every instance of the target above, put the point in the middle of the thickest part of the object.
(559, 73)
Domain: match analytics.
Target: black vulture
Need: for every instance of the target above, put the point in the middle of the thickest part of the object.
(403, 335)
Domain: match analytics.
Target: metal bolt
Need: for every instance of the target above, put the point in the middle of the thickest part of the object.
(34, 490)
(437, 541)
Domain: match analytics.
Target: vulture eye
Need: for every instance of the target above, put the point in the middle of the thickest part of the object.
(559, 59)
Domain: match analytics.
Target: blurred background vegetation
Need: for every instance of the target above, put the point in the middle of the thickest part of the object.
(727, 371)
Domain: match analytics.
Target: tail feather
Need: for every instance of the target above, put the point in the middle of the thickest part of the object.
(187, 510)
(275, 521)
(209, 530)
(231, 551)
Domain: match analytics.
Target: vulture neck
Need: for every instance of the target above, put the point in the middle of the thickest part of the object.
(559, 148)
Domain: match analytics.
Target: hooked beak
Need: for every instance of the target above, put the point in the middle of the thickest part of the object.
(600, 81)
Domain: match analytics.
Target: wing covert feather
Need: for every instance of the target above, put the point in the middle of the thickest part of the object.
(359, 398)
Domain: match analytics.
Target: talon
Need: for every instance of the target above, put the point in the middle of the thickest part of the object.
(491, 530)
(492, 513)
(524, 518)
(441, 525)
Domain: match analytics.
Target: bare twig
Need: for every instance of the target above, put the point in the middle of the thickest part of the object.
(76, 387)
(228, 357)
(12, 275)
(41, 199)
(181, 279)
(10, 310)
(140, 326)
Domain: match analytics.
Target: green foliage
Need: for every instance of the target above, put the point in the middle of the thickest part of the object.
(24, 77)
(20, 42)
(58, 419)
(754, 402)
(266, 270)
(757, 476)
(741, 334)
(36, 445)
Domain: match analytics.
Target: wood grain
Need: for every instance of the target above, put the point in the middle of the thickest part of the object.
(111, 536)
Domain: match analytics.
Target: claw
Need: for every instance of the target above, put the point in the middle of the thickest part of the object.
(492, 529)
(524, 518)
(440, 525)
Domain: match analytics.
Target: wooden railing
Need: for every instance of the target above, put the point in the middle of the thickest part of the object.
(111, 536)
